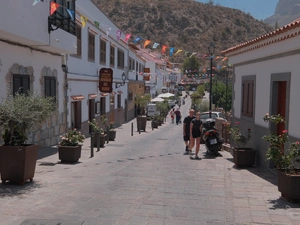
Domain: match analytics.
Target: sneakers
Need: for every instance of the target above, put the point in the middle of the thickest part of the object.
(197, 157)
(186, 150)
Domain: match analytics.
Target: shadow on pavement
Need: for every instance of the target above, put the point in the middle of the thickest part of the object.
(282, 203)
(208, 155)
(45, 152)
(9, 189)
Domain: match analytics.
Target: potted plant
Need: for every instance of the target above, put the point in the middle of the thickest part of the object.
(19, 115)
(163, 108)
(243, 156)
(155, 121)
(284, 155)
(141, 101)
(98, 132)
(109, 128)
(69, 149)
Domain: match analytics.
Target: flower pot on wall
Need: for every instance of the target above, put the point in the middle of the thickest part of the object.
(18, 163)
(244, 157)
(69, 154)
(289, 185)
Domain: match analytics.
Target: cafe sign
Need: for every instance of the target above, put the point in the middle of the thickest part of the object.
(105, 80)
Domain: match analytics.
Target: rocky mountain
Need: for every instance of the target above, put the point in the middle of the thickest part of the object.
(286, 12)
(184, 24)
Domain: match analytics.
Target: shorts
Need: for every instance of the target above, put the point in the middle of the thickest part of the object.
(196, 134)
(186, 137)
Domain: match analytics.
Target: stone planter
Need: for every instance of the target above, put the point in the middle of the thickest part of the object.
(102, 138)
(142, 121)
(69, 154)
(288, 185)
(18, 163)
(244, 157)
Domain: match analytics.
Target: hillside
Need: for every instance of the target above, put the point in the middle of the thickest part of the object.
(184, 24)
(286, 12)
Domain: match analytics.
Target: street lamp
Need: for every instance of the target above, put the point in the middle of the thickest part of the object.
(123, 81)
(211, 50)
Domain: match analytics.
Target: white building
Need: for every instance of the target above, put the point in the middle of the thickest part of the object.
(266, 80)
(30, 57)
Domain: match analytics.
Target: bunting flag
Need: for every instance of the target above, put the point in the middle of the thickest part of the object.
(155, 45)
(108, 29)
(224, 59)
(204, 56)
(163, 49)
(186, 53)
(127, 36)
(83, 20)
(54, 6)
(36, 2)
(178, 51)
(97, 24)
(217, 57)
(147, 42)
(118, 34)
(71, 13)
(137, 39)
(172, 51)
(194, 53)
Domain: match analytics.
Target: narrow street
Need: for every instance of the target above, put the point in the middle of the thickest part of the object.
(145, 179)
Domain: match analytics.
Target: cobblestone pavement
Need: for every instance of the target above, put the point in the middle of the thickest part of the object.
(145, 179)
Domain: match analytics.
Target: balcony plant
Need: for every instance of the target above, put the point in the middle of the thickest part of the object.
(69, 149)
(285, 155)
(109, 128)
(243, 156)
(20, 115)
(98, 132)
(141, 102)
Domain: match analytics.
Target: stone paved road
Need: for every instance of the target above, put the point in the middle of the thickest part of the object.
(145, 180)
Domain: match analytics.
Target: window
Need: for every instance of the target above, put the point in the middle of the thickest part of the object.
(112, 56)
(130, 96)
(129, 63)
(136, 66)
(120, 59)
(50, 87)
(132, 64)
(102, 51)
(61, 15)
(140, 67)
(102, 105)
(21, 84)
(91, 50)
(247, 98)
(78, 35)
(119, 101)
(112, 102)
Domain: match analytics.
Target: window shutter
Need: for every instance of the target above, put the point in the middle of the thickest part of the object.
(16, 84)
(250, 98)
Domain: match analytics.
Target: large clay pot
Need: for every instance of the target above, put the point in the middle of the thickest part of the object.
(69, 154)
(142, 122)
(289, 185)
(18, 163)
(244, 157)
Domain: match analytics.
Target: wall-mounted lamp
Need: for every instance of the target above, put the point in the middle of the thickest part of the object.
(118, 84)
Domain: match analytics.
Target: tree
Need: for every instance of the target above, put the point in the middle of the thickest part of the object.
(191, 63)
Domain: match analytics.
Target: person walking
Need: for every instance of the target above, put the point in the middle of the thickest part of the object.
(195, 131)
(186, 131)
(178, 115)
(172, 114)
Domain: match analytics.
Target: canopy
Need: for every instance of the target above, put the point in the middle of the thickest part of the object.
(166, 95)
(157, 99)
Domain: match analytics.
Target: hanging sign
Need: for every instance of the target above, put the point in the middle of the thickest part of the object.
(105, 80)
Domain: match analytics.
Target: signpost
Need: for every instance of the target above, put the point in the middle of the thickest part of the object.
(105, 80)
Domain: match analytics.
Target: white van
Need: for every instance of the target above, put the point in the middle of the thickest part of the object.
(151, 110)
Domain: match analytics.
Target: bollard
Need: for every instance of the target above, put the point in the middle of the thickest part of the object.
(131, 129)
(152, 125)
(107, 136)
(92, 145)
(140, 127)
(98, 142)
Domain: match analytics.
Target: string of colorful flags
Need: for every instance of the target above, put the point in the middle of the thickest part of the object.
(84, 19)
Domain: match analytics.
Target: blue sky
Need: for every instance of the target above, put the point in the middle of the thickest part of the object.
(259, 9)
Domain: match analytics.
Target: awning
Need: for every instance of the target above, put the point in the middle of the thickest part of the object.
(77, 97)
(113, 93)
(120, 92)
(93, 96)
(103, 94)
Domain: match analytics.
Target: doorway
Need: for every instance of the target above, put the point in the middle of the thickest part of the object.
(91, 112)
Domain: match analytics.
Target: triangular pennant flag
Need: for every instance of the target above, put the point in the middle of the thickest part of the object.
(217, 57)
(163, 49)
(187, 52)
(71, 13)
(36, 1)
(108, 29)
(54, 6)
(137, 39)
(118, 34)
(147, 42)
(224, 59)
(97, 24)
(172, 51)
(155, 45)
(178, 51)
(83, 20)
(194, 53)
(127, 36)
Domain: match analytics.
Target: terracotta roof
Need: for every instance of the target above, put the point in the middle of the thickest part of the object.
(290, 26)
